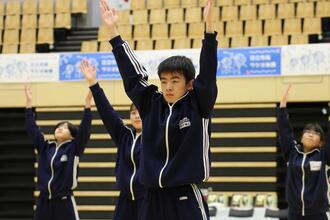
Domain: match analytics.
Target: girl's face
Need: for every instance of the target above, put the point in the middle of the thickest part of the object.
(62, 133)
(135, 119)
(311, 139)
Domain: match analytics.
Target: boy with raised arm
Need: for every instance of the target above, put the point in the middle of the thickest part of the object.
(176, 123)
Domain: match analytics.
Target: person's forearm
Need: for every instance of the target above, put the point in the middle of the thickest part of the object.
(110, 118)
(28, 105)
(209, 28)
(113, 32)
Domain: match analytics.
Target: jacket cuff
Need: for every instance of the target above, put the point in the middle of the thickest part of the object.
(29, 111)
(282, 111)
(94, 88)
(116, 41)
(210, 36)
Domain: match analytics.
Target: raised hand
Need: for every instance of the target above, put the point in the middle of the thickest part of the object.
(89, 72)
(285, 96)
(28, 96)
(109, 17)
(88, 99)
(208, 13)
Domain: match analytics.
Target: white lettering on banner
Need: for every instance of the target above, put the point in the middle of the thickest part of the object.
(29, 68)
(311, 59)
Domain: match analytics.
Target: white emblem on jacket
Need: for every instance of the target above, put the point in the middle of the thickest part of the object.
(185, 122)
(64, 158)
(315, 165)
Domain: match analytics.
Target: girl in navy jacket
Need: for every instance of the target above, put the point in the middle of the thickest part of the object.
(58, 163)
(128, 142)
(307, 160)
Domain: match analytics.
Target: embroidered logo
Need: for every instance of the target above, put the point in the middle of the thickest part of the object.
(185, 122)
(64, 158)
(183, 198)
(315, 165)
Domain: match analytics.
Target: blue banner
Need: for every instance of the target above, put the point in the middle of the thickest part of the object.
(264, 61)
(106, 67)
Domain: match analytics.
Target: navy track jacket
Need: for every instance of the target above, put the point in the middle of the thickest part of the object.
(306, 181)
(128, 144)
(175, 136)
(58, 164)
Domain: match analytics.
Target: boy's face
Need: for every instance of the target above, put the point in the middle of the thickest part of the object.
(174, 86)
(135, 119)
(62, 133)
(311, 139)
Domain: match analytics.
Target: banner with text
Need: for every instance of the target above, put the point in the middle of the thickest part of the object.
(313, 59)
(263, 61)
(29, 68)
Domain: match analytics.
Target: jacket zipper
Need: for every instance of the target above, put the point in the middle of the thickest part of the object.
(167, 147)
(134, 166)
(52, 168)
(303, 185)
(166, 140)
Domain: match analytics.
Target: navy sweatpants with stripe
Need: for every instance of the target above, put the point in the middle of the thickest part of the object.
(322, 216)
(177, 203)
(64, 208)
(127, 209)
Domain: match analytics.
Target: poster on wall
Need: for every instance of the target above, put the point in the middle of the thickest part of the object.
(245, 62)
(306, 59)
(29, 68)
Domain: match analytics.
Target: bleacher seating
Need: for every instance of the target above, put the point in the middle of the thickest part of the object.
(27, 48)
(157, 16)
(259, 40)
(159, 31)
(240, 23)
(105, 46)
(17, 17)
(299, 39)
(89, 46)
(181, 43)
(163, 44)
(239, 41)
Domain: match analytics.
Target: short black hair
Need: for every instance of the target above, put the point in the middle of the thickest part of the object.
(179, 64)
(132, 107)
(315, 127)
(72, 128)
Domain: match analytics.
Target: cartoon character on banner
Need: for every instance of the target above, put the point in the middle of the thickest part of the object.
(232, 64)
